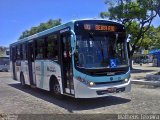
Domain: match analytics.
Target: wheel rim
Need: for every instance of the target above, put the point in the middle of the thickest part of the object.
(56, 89)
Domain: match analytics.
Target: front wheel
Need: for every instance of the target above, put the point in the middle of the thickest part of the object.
(56, 90)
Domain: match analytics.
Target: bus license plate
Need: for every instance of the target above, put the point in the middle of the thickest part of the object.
(111, 90)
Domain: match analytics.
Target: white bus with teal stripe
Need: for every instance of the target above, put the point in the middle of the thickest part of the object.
(82, 59)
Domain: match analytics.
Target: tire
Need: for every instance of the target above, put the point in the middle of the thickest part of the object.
(56, 90)
(22, 80)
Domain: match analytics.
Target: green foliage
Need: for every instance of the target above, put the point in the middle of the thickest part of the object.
(149, 38)
(155, 37)
(137, 16)
(2, 51)
(43, 26)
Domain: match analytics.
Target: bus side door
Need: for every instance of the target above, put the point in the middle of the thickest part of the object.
(66, 63)
(31, 63)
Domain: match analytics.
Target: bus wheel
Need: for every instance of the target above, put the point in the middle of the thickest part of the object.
(56, 90)
(22, 80)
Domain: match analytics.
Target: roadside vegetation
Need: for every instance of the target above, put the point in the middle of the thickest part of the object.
(137, 16)
(2, 51)
(41, 27)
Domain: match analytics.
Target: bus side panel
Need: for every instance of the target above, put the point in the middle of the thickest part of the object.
(52, 68)
(33, 71)
(44, 70)
(24, 69)
(38, 73)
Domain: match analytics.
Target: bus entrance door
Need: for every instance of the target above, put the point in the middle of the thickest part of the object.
(31, 63)
(66, 64)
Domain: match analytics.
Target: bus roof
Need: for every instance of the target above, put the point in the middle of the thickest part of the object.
(57, 28)
(95, 19)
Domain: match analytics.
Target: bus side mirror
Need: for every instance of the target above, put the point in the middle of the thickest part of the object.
(73, 41)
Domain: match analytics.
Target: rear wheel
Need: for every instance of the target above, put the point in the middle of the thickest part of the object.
(22, 80)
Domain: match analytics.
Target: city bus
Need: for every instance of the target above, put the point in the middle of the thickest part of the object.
(82, 59)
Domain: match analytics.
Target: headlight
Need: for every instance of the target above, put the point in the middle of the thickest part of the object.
(89, 83)
(126, 80)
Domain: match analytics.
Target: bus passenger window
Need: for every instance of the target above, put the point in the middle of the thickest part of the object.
(39, 53)
(23, 52)
(52, 47)
(18, 53)
(40, 49)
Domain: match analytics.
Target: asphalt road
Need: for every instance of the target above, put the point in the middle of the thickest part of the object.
(140, 72)
(17, 100)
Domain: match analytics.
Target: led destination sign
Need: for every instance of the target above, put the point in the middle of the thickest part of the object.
(99, 27)
(105, 27)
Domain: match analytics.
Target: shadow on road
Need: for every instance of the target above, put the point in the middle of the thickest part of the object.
(72, 104)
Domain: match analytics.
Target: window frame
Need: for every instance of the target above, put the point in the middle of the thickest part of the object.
(53, 40)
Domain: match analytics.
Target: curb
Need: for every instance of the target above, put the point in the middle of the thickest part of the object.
(143, 82)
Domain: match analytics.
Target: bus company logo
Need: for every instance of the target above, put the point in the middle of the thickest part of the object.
(111, 73)
(87, 27)
(38, 68)
(51, 69)
(65, 30)
(111, 78)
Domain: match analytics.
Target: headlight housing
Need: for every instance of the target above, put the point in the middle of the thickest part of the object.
(126, 80)
(86, 82)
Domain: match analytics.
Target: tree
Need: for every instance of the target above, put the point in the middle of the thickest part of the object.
(154, 35)
(2, 50)
(136, 15)
(149, 39)
(43, 26)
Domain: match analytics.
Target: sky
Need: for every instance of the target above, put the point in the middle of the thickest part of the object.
(17, 16)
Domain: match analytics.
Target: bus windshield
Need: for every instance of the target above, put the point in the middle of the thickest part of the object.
(107, 50)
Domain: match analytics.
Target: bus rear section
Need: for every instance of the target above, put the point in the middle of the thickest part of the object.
(101, 66)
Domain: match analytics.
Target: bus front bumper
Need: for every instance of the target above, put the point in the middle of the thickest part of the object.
(84, 91)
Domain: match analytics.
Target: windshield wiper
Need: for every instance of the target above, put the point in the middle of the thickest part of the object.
(116, 41)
